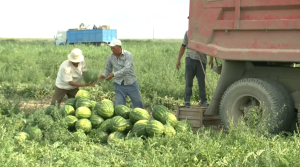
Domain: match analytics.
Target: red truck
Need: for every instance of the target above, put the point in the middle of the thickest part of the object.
(259, 43)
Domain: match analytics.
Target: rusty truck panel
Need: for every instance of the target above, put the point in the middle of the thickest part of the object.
(248, 30)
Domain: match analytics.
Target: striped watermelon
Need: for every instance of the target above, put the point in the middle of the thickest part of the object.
(105, 126)
(71, 121)
(71, 102)
(67, 110)
(118, 124)
(45, 122)
(83, 102)
(22, 136)
(82, 94)
(139, 128)
(138, 114)
(154, 128)
(170, 119)
(49, 110)
(123, 111)
(84, 124)
(115, 137)
(90, 76)
(183, 126)
(102, 136)
(104, 109)
(83, 112)
(159, 112)
(129, 126)
(96, 120)
(34, 133)
(92, 105)
(109, 101)
(169, 130)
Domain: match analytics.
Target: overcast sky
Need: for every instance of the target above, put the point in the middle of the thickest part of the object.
(133, 19)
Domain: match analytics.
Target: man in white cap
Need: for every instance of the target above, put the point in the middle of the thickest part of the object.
(125, 82)
(68, 77)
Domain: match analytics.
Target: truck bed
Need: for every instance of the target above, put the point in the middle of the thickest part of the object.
(248, 30)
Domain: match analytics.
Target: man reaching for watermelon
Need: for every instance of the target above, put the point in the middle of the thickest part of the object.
(68, 77)
(125, 82)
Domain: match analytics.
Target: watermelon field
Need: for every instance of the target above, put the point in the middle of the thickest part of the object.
(89, 131)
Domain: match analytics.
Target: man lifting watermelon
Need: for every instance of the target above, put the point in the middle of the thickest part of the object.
(68, 77)
(125, 82)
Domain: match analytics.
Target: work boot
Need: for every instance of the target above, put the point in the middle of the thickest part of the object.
(205, 104)
(187, 104)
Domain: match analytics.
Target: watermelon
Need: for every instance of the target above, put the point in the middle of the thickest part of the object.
(129, 126)
(83, 112)
(45, 122)
(83, 102)
(118, 124)
(50, 109)
(169, 130)
(96, 120)
(81, 94)
(109, 101)
(71, 121)
(83, 124)
(138, 114)
(34, 133)
(139, 128)
(92, 105)
(159, 112)
(123, 111)
(102, 136)
(90, 76)
(154, 128)
(183, 126)
(104, 109)
(79, 136)
(105, 125)
(170, 119)
(114, 137)
(22, 136)
(67, 110)
(71, 102)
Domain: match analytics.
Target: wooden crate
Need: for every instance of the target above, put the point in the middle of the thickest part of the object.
(195, 114)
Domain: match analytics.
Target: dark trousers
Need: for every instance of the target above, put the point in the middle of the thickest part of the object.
(59, 94)
(122, 91)
(193, 68)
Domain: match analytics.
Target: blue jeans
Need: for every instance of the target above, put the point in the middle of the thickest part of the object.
(122, 91)
(193, 68)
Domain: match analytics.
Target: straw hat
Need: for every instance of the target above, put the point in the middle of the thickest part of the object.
(76, 56)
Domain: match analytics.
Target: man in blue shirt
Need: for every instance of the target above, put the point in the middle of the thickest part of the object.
(125, 82)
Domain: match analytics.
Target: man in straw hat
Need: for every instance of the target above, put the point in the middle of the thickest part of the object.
(125, 82)
(68, 77)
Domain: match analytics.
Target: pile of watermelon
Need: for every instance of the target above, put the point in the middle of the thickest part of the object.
(105, 121)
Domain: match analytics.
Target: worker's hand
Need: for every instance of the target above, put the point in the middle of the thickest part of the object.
(211, 62)
(178, 64)
(91, 84)
(109, 76)
(101, 78)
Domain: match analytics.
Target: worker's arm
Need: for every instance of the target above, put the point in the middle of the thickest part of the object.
(108, 69)
(180, 54)
(76, 84)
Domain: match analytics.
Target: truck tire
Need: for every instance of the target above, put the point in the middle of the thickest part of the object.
(288, 102)
(240, 94)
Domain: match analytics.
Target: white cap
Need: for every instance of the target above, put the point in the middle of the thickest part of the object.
(115, 42)
(76, 56)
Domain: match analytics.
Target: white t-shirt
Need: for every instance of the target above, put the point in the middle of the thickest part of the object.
(68, 72)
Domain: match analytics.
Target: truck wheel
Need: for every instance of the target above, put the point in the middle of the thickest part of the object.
(256, 102)
(288, 102)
